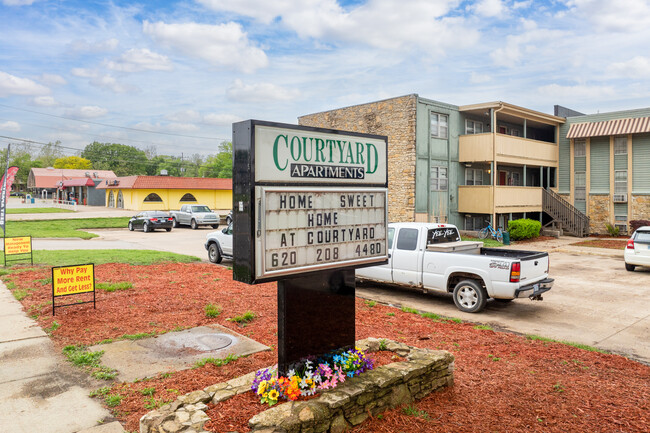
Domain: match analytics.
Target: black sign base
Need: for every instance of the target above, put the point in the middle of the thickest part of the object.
(315, 315)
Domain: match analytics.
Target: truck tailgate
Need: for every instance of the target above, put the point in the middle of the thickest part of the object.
(534, 267)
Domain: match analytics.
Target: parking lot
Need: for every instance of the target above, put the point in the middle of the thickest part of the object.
(595, 301)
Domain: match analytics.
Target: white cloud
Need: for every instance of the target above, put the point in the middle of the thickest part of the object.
(577, 92)
(222, 45)
(12, 85)
(83, 72)
(10, 126)
(18, 2)
(221, 119)
(103, 81)
(137, 60)
(476, 78)
(184, 116)
(82, 45)
(182, 127)
(44, 101)
(490, 8)
(53, 79)
(522, 4)
(259, 92)
(637, 67)
(625, 16)
(87, 112)
(529, 44)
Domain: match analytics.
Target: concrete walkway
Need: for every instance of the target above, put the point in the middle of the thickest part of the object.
(39, 390)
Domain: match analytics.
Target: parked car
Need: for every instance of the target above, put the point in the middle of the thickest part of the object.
(229, 217)
(219, 244)
(151, 220)
(637, 251)
(195, 215)
(432, 257)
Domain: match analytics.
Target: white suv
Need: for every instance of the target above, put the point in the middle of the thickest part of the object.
(219, 244)
(637, 251)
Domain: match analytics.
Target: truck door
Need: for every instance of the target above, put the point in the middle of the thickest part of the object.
(406, 258)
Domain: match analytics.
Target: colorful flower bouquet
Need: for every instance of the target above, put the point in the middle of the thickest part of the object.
(310, 375)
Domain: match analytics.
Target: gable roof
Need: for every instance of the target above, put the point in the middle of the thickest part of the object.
(166, 182)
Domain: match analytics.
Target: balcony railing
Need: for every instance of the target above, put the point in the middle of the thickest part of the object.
(507, 199)
(509, 149)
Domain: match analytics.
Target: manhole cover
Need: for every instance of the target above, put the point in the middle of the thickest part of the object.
(200, 342)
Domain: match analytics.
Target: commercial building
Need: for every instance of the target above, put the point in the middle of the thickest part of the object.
(66, 184)
(167, 192)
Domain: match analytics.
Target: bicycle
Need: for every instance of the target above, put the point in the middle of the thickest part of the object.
(494, 234)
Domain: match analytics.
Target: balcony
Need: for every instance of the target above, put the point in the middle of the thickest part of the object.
(508, 199)
(509, 149)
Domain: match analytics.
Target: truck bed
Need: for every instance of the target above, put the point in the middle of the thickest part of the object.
(513, 254)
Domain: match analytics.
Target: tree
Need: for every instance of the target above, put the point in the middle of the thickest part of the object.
(123, 160)
(49, 153)
(73, 162)
(20, 156)
(219, 165)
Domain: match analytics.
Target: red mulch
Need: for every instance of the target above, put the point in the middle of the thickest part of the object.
(503, 382)
(612, 244)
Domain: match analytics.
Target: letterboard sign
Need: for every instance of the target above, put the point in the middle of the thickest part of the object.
(306, 199)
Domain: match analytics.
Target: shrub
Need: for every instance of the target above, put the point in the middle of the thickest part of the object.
(635, 224)
(524, 229)
(613, 231)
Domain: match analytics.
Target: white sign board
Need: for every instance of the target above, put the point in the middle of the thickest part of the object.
(301, 156)
(301, 229)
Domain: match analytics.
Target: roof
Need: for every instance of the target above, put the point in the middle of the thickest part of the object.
(84, 181)
(514, 110)
(166, 182)
(609, 127)
(50, 177)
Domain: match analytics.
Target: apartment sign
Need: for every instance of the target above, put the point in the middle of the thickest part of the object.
(319, 200)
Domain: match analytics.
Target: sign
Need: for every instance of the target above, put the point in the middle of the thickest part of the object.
(18, 245)
(307, 199)
(317, 228)
(3, 194)
(73, 280)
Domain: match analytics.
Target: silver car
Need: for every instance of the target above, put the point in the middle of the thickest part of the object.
(219, 244)
(637, 251)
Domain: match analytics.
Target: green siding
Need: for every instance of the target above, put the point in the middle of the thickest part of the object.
(620, 162)
(421, 184)
(581, 205)
(599, 165)
(580, 163)
(620, 209)
(641, 164)
(564, 174)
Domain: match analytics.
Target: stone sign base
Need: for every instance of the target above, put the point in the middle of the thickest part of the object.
(335, 410)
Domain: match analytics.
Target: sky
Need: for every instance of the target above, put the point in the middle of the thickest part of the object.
(171, 77)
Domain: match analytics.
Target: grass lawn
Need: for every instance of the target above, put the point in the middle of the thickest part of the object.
(63, 228)
(22, 210)
(132, 257)
(487, 243)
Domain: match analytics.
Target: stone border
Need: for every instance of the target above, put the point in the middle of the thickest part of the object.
(335, 410)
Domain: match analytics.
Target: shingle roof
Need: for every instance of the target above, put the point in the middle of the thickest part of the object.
(167, 182)
(50, 177)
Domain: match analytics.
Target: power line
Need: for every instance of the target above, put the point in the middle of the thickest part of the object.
(112, 126)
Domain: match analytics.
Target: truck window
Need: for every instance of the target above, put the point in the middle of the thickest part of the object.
(391, 235)
(443, 234)
(200, 209)
(407, 239)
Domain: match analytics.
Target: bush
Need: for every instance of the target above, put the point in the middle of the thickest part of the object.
(524, 229)
(635, 224)
(613, 231)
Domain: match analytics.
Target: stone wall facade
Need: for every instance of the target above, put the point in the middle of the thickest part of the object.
(599, 213)
(335, 410)
(396, 119)
(640, 208)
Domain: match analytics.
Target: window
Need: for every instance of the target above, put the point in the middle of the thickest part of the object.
(111, 199)
(391, 236)
(438, 178)
(188, 197)
(476, 222)
(620, 182)
(514, 179)
(436, 236)
(152, 197)
(120, 200)
(473, 127)
(439, 124)
(407, 239)
(620, 218)
(580, 148)
(620, 146)
(581, 181)
(473, 176)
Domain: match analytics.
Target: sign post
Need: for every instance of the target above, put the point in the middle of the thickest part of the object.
(310, 206)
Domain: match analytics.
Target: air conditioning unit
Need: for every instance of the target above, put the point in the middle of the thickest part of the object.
(620, 198)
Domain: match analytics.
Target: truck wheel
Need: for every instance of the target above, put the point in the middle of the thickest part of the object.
(469, 296)
(213, 254)
(629, 267)
(194, 225)
(175, 223)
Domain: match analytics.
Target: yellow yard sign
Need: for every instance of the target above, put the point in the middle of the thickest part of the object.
(73, 280)
(21, 245)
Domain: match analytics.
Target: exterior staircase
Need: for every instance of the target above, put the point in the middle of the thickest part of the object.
(564, 214)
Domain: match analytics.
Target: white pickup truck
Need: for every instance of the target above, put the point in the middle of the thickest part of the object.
(431, 257)
(195, 215)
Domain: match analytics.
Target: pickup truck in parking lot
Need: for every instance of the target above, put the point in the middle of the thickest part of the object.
(432, 257)
(195, 215)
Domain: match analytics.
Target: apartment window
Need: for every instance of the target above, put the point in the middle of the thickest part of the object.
(438, 178)
(439, 125)
(620, 218)
(620, 182)
(580, 148)
(514, 179)
(620, 146)
(476, 222)
(473, 176)
(581, 182)
(473, 127)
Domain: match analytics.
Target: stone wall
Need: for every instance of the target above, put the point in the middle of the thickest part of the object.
(640, 208)
(599, 213)
(394, 118)
(335, 410)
